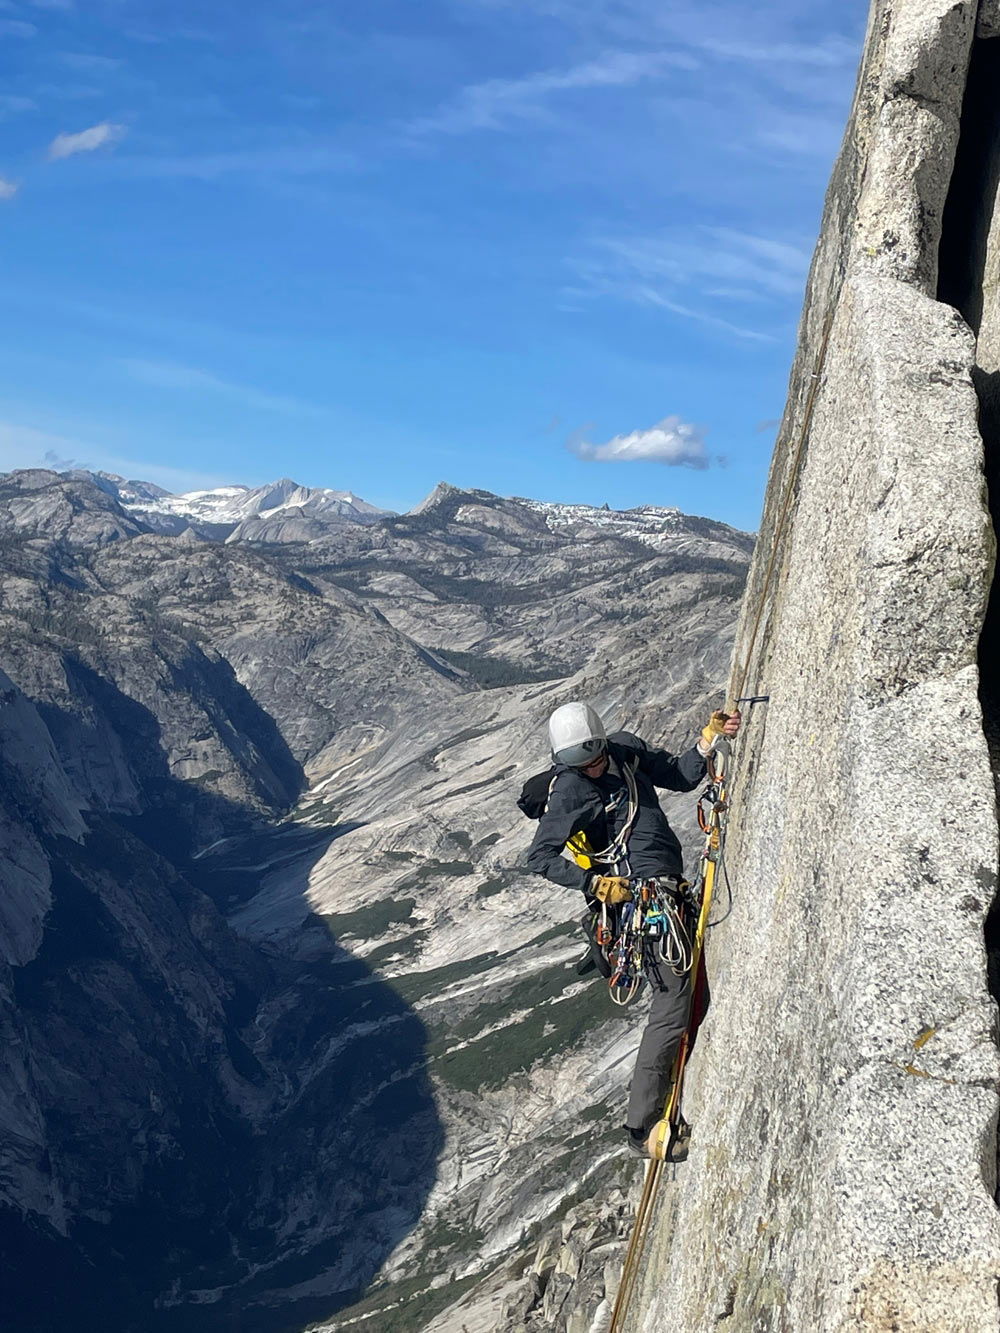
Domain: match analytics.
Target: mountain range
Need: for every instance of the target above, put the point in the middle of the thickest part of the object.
(278, 512)
(292, 1036)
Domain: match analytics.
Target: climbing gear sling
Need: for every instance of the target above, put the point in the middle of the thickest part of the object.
(712, 807)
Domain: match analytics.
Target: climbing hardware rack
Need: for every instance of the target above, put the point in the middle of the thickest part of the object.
(653, 931)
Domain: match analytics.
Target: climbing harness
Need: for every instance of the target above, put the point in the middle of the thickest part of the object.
(713, 808)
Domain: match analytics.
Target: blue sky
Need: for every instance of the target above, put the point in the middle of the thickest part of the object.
(552, 248)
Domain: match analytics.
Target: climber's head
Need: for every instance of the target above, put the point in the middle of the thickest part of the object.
(577, 737)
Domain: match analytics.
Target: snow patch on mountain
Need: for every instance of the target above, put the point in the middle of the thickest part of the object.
(281, 510)
(234, 504)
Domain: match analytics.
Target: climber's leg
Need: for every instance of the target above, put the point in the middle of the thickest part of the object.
(668, 1016)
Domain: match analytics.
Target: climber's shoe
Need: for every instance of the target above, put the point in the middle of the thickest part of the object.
(668, 1143)
(635, 1141)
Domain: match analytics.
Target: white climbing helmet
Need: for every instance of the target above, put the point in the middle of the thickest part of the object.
(577, 735)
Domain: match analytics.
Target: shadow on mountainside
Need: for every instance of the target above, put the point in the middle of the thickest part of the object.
(223, 1136)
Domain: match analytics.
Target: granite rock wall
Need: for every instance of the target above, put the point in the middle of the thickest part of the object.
(844, 1094)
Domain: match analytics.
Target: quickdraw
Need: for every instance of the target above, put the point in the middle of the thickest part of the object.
(655, 928)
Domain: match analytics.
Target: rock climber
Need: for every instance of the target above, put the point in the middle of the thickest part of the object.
(589, 784)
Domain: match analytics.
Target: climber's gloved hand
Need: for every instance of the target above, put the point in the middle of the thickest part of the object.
(719, 724)
(610, 889)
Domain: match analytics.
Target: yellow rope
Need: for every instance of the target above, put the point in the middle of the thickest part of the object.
(644, 1214)
(713, 842)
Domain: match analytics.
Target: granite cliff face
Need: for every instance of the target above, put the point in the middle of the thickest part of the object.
(845, 1096)
(282, 1011)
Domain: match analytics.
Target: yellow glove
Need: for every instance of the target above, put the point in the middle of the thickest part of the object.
(710, 734)
(611, 889)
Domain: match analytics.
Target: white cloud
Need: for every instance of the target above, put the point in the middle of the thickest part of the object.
(497, 103)
(8, 188)
(671, 441)
(174, 375)
(17, 28)
(65, 145)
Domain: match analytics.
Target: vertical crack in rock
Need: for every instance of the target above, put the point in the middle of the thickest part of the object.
(970, 281)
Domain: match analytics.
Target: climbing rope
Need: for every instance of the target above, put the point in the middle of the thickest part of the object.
(712, 812)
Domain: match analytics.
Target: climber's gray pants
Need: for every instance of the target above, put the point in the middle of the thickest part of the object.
(668, 1016)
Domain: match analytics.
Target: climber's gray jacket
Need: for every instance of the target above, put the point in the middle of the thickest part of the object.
(576, 801)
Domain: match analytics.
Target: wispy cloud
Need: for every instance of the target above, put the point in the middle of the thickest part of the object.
(801, 135)
(673, 442)
(17, 28)
(499, 103)
(23, 446)
(699, 275)
(70, 92)
(86, 62)
(8, 188)
(175, 375)
(163, 35)
(831, 53)
(12, 104)
(713, 255)
(66, 145)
